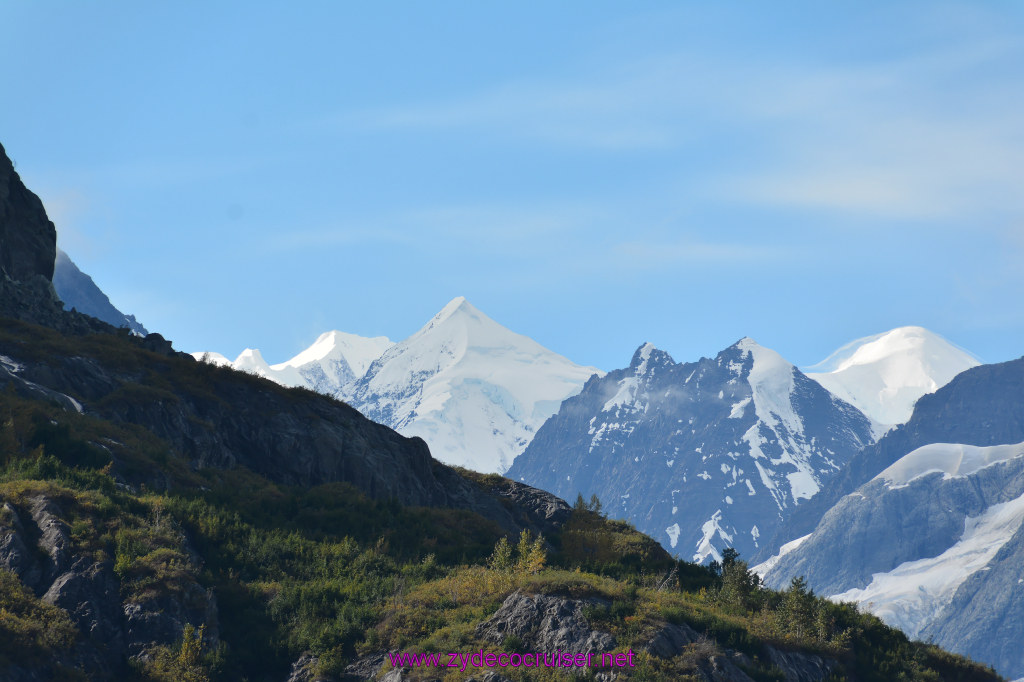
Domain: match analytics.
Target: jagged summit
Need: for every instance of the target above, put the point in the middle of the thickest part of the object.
(702, 455)
(885, 374)
(647, 356)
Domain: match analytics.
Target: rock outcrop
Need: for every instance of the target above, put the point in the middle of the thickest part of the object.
(670, 640)
(801, 667)
(28, 248)
(546, 624)
(28, 240)
(35, 544)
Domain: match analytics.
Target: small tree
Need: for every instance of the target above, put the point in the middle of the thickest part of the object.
(532, 556)
(740, 585)
(501, 558)
(798, 607)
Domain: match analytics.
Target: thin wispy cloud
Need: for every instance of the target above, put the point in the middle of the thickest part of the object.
(652, 255)
(926, 136)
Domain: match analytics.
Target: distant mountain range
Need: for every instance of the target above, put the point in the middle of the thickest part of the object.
(330, 366)
(474, 390)
(931, 536)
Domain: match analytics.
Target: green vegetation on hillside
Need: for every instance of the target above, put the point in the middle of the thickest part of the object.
(329, 571)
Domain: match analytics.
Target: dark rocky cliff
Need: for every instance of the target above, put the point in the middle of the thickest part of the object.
(28, 240)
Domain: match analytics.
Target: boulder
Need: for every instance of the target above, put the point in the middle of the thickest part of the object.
(547, 624)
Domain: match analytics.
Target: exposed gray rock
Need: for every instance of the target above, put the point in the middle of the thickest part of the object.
(89, 592)
(28, 240)
(670, 640)
(161, 620)
(546, 623)
(15, 555)
(801, 667)
(303, 670)
(55, 538)
(720, 668)
(536, 510)
(28, 245)
(489, 676)
(9, 376)
(365, 667)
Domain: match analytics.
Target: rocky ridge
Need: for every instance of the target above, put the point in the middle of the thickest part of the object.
(703, 455)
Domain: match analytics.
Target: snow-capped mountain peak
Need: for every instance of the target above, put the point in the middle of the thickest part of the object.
(885, 374)
(357, 352)
(252, 360)
(473, 389)
(330, 365)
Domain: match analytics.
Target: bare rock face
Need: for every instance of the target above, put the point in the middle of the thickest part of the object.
(28, 248)
(801, 667)
(28, 240)
(536, 509)
(89, 593)
(722, 669)
(35, 544)
(15, 555)
(669, 641)
(55, 537)
(547, 624)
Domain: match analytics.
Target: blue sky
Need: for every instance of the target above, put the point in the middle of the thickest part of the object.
(591, 174)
